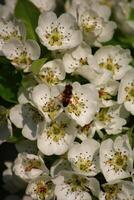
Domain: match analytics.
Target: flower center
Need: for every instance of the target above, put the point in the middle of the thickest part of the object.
(130, 92)
(56, 131)
(23, 59)
(55, 38)
(104, 95)
(118, 162)
(111, 191)
(49, 77)
(76, 183)
(84, 164)
(30, 164)
(10, 35)
(109, 65)
(43, 190)
(76, 106)
(103, 115)
(52, 108)
(83, 61)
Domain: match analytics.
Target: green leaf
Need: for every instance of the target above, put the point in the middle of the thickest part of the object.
(10, 81)
(36, 65)
(29, 14)
(28, 80)
(131, 15)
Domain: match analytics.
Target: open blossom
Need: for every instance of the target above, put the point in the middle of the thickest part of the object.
(80, 61)
(119, 190)
(116, 159)
(69, 185)
(58, 33)
(22, 54)
(52, 72)
(29, 166)
(44, 5)
(83, 103)
(94, 26)
(28, 118)
(84, 157)
(41, 188)
(10, 30)
(112, 119)
(126, 91)
(115, 59)
(45, 99)
(58, 136)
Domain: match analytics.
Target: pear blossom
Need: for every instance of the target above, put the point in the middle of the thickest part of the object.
(84, 157)
(46, 101)
(94, 27)
(44, 5)
(10, 30)
(58, 136)
(58, 33)
(22, 54)
(115, 59)
(119, 190)
(116, 160)
(69, 185)
(28, 118)
(112, 119)
(52, 72)
(83, 103)
(29, 166)
(41, 188)
(126, 91)
(80, 61)
(107, 93)
(86, 131)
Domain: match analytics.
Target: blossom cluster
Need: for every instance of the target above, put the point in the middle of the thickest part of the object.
(75, 112)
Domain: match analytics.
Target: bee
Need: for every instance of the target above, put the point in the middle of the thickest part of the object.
(66, 95)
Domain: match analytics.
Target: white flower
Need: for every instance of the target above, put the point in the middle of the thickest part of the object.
(114, 59)
(58, 34)
(120, 190)
(26, 198)
(85, 132)
(95, 28)
(10, 30)
(71, 186)
(80, 61)
(52, 72)
(28, 118)
(29, 166)
(126, 91)
(41, 188)
(84, 157)
(57, 137)
(45, 99)
(116, 160)
(44, 5)
(21, 54)
(83, 103)
(111, 119)
(107, 93)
